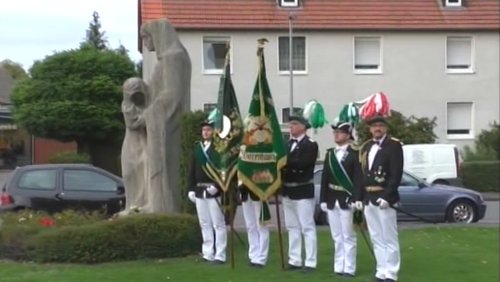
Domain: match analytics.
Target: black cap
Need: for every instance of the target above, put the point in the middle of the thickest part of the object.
(376, 119)
(207, 123)
(345, 127)
(300, 119)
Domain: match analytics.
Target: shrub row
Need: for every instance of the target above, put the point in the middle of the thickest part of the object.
(129, 238)
(481, 176)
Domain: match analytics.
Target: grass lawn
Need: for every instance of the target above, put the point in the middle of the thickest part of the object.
(431, 254)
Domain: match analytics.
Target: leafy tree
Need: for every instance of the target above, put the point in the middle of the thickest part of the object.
(74, 95)
(487, 145)
(15, 70)
(409, 130)
(95, 37)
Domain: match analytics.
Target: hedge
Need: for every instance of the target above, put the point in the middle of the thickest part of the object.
(130, 238)
(483, 176)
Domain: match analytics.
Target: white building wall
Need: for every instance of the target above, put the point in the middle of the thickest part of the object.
(413, 75)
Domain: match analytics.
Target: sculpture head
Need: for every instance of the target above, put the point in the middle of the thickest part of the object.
(135, 92)
(158, 35)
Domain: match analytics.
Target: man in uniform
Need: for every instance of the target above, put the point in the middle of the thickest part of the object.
(298, 196)
(339, 181)
(382, 165)
(205, 193)
(257, 232)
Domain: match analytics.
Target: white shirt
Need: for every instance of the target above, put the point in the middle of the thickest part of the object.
(373, 152)
(206, 145)
(298, 140)
(340, 152)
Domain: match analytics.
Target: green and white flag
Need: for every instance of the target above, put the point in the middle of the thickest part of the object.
(227, 134)
(263, 151)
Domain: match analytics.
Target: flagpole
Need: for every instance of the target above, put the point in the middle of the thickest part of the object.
(280, 235)
(231, 226)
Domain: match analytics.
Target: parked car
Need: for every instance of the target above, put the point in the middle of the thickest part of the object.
(55, 187)
(434, 163)
(436, 202)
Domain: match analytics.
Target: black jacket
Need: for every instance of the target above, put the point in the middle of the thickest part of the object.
(299, 169)
(386, 171)
(351, 165)
(197, 175)
(246, 193)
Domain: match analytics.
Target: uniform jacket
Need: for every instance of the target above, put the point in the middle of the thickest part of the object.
(300, 169)
(246, 193)
(352, 167)
(197, 175)
(386, 171)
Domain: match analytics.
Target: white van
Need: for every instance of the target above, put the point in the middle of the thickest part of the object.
(435, 163)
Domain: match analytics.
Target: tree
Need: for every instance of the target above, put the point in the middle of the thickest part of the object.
(409, 130)
(487, 145)
(15, 70)
(74, 95)
(95, 38)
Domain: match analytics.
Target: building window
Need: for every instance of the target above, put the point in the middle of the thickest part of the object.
(298, 54)
(214, 54)
(459, 54)
(289, 3)
(453, 3)
(209, 107)
(367, 55)
(285, 114)
(459, 120)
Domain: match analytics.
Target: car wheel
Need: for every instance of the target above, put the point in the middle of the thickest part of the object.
(461, 211)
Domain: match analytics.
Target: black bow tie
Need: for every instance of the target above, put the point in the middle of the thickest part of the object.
(378, 142)
(294, 141)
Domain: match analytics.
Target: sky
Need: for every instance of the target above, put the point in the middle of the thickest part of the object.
(30, 30)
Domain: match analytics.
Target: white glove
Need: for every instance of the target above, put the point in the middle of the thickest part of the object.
(358, 205)
(191, 196)
(212, 190)
(323, 207)
(383, 204)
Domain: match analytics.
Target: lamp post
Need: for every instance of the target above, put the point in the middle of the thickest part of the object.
(290, 59)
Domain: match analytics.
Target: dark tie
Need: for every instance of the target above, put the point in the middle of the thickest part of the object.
(376, 142)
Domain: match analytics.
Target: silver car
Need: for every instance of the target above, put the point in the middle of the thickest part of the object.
(433, 202)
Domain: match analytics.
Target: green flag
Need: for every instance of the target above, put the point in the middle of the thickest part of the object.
(228, 132)
(263, 152)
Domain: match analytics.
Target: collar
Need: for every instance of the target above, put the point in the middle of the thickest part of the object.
(299, 138)
(343, 147)
(380, 141)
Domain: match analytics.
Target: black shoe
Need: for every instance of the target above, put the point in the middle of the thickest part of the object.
(348, 275)
(218, 262)
(339, 273)
(292, 267)
(389, 280)
(257, 265)
(308, 269)
(379, 280)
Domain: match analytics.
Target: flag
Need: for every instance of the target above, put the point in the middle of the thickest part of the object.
(228, 132)
(262, 152)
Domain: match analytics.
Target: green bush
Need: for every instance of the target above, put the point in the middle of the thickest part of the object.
(482, 176)
(129, 238)
(69, 158)
(191, 132)
(19, 228)
(409, 130)
(487, 145)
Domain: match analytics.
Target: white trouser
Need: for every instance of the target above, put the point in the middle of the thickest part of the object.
(299, 220)
(344, 237)
(382, 225)
(258, 234)
(211, 218)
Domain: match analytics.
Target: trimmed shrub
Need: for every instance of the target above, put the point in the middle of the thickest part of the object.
(129, 238)
(69, 158)
(481, 176)
(18, 228)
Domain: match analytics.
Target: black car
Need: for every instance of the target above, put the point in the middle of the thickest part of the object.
(55, 187)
